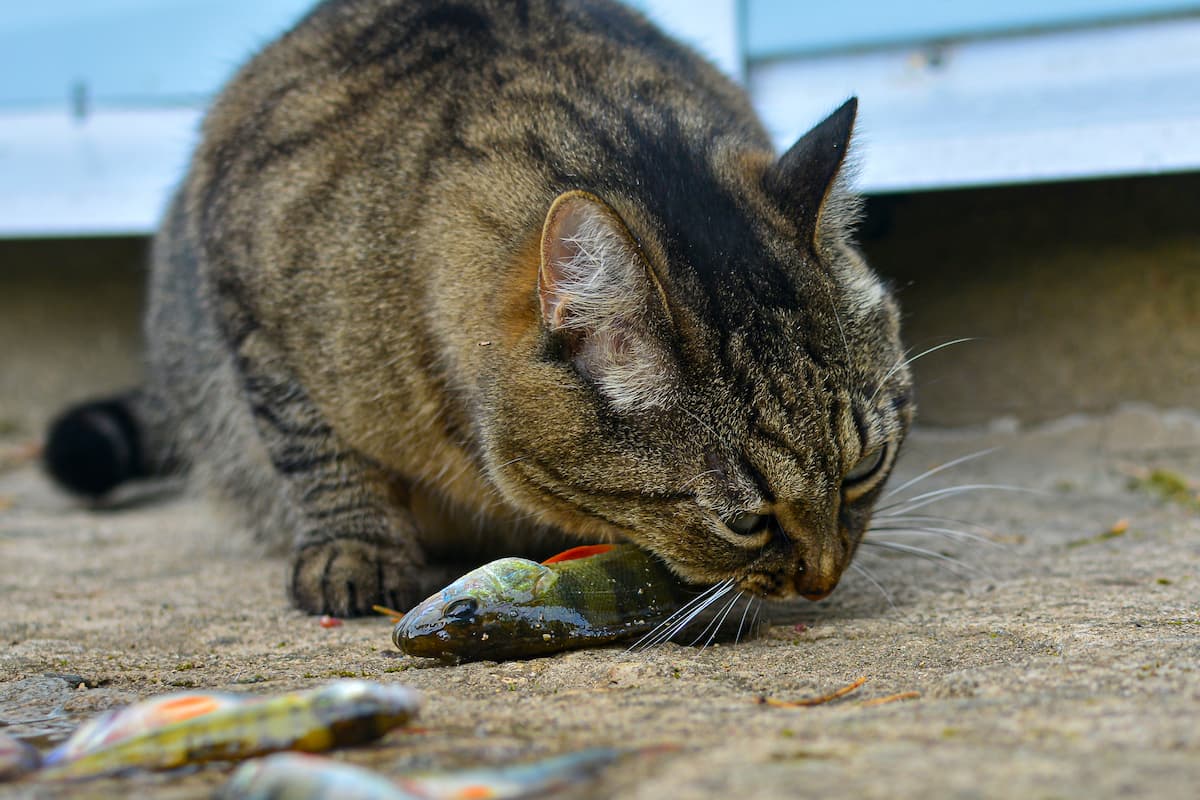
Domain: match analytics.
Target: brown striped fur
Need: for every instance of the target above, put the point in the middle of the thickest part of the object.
(347, 338)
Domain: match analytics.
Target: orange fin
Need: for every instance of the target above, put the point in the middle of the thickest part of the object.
(583, 551)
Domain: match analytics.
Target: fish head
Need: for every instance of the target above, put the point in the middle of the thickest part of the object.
(473, 614)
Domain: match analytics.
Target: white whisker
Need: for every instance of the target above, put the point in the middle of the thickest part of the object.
(718, 621)
(861, 570)
(754, 621)
(741, 624)
(922, 500)
(935, 348)
(903, 362)
(666, 629)
(924, 518)
(921, 552)
(681, 625)
(947, 533)
(838, 319)
(931, 472)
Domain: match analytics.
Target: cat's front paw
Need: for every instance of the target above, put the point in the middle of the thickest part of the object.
(346, 577)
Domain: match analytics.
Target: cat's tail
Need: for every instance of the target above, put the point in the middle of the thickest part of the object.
(93, 447)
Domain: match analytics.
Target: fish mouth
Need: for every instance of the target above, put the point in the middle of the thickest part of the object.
(425, 640)
(423, 631)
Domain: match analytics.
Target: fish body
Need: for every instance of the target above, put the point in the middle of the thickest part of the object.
(517, 608)
(233, 728)
(298, 776)
(294, 776)
(17, 758)
(117, 725)
(514, 780)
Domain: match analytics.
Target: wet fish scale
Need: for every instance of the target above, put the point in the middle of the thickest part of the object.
(516, 608)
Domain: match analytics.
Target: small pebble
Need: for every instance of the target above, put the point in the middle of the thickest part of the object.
(329, 622)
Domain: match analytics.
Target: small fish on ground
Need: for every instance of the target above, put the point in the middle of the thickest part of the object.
(17, 758)
(117, 725)
(517, 608)
(292, 776)
(298, 776)
(180, 729)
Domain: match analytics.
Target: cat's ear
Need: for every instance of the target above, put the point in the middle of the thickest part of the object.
(802, 178)
(596, 290)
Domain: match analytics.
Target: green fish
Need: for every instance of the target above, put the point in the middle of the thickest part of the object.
(517, 608)
(181, 729)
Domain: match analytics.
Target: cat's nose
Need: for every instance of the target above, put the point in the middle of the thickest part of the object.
(820, 554)
(820, 571)
(826, 583)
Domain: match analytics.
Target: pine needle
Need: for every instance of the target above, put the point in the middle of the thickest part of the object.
(813, 701)
(891, 698)
(388, 612)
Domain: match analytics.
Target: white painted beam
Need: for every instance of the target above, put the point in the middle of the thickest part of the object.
(1084, 103)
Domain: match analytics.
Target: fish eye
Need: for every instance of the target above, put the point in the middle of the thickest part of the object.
(461, 610)
(747, 523)
(867, 466)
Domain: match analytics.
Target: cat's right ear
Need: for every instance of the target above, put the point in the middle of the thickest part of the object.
(804, 176)
(595, 290)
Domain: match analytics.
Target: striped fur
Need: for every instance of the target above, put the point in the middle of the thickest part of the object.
(346, 339)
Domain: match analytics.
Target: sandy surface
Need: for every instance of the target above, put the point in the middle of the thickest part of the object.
(1060, 658)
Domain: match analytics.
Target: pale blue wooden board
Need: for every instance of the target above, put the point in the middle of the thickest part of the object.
(776, 28)
(131, 53)
(1074, 100)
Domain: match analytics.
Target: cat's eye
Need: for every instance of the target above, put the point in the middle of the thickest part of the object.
(747, 523)
(867, 466)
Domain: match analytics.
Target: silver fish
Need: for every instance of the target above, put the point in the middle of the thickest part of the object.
(293, 776)
(17, 758)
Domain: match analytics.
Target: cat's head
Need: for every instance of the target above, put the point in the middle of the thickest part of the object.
(715, 375)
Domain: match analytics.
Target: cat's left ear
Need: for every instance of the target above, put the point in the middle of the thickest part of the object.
(802, 178)
(598, 293)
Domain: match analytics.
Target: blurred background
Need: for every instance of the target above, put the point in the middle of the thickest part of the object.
(1032, 169)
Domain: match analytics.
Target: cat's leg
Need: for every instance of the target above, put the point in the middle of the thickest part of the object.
(354, 543)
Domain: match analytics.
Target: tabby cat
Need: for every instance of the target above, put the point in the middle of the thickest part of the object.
(450, 278)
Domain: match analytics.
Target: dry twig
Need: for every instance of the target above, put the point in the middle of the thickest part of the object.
(891, 698)
(389, 612)
(813, 701)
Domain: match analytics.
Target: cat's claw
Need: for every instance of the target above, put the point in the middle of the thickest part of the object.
(346, 577)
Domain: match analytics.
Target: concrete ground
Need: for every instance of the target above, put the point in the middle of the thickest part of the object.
(1056, 656)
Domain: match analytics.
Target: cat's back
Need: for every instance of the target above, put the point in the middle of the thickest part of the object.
(580, 45)
(427, 139)
(384, 166)
(475, 78)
